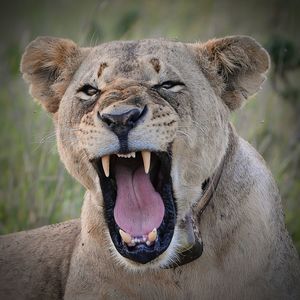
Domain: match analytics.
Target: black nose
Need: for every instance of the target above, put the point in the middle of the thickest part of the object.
(127, 118)
(121, 120)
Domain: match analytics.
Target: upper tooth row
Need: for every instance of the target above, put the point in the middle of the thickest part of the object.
(132, 154)
(146, 155)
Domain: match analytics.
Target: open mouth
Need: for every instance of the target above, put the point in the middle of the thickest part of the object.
(140, 210)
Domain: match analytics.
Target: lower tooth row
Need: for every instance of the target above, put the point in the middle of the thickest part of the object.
(139, 240)
(132, 241)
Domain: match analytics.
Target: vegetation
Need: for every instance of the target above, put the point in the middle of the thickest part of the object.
(34, 186)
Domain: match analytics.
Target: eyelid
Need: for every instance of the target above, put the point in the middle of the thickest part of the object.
(171, 84)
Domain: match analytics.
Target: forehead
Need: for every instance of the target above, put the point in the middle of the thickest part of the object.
(144, 60)
(130, 57)
(132, 50)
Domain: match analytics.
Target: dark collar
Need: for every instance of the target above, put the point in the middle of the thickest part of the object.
(195, 251)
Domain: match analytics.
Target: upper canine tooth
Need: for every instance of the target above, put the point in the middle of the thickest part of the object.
(126, 237)
(152, 235)
(105, 164)
(146, 159)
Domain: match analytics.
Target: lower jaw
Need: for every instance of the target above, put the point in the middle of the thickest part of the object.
(182, 250)
(141, 253)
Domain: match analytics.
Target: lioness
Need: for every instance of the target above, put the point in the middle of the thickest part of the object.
(177, 205)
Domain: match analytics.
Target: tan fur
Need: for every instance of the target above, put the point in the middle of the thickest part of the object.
(247, 251)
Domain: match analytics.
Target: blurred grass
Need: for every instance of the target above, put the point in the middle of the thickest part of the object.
(33, 181)
(34, 187)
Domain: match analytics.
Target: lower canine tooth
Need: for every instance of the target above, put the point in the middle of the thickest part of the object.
(105, 164)
(125, 236)
(152, 235)
(146, 159)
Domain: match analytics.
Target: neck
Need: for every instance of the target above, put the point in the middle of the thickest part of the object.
(92, 217)
(194, 248)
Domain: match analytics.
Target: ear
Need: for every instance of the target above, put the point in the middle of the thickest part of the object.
(48, 65)
(235, 66)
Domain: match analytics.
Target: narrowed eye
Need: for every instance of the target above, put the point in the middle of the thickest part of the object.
(89, 90)
(174, 86)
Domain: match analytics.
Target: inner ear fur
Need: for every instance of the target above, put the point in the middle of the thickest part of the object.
(235, 66)
(48, 65)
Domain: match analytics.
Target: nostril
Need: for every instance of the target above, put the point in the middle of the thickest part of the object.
(143, 112)
(133, 116)
(106, 118)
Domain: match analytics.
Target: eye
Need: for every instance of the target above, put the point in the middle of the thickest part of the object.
(88, 90)
(174, 86)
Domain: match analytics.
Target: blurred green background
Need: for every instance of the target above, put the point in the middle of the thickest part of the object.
(35, 189)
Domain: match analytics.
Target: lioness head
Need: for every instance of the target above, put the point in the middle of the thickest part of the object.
(142, 124)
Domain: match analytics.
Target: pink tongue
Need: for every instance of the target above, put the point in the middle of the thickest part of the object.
(139, 208)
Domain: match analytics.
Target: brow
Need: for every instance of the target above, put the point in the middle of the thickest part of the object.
(155, 63)
(101, 68)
